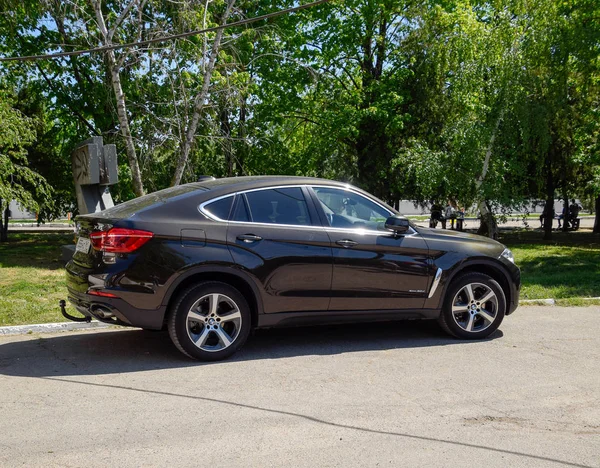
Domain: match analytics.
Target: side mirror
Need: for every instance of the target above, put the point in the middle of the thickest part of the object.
(398, 224)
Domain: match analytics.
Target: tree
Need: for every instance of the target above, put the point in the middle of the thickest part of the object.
(17, 181)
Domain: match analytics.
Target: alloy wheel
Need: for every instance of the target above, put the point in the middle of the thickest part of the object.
(214, 322)
(475, 307)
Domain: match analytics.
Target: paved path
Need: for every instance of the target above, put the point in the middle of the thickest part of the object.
(512, 222)
(399, 394)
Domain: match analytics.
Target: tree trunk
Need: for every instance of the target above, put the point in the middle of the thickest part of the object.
(549, 217)
(488, 226)
(4, 222)
(200, 101)
(597, 219)
(243, 146)
(565, 226)
(226, 134)
(136, 175)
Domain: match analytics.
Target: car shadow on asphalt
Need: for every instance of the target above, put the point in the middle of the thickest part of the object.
(133, 350)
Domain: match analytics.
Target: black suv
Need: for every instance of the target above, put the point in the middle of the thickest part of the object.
(212, 260)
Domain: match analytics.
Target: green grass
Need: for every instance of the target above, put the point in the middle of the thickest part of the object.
(566, 268)
(32, 278)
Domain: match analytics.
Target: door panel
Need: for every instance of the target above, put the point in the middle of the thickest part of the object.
(378, 271)
(292, 263)
(373, 268)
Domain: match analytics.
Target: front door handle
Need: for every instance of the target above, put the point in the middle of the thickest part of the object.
(248, 238)
(346, 243)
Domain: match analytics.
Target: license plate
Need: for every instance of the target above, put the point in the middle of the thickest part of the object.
(83, 245)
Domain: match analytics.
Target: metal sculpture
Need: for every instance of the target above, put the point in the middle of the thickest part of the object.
(94, 170)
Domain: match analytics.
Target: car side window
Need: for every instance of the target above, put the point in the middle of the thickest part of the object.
(278, 206)
(220, 208)
(347, 209)
(240, 210)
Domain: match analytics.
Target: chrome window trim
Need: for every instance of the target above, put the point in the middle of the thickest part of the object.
(209, 215)
(351, 189)
(369, 232)
(205, 212)
(358, 230)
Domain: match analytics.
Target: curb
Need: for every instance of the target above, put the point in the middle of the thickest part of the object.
(51, 327)
(549, 302)
(552, 302)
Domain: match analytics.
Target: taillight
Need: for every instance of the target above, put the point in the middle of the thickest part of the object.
(95, 292)
(119, 240)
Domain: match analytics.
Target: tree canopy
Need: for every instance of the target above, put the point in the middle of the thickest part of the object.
(483, 102)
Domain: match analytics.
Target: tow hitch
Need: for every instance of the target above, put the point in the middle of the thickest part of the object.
(66, 315)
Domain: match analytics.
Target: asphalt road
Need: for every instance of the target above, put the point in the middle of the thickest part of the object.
(400, 394)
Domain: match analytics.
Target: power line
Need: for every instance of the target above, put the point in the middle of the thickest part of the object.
(163, 39)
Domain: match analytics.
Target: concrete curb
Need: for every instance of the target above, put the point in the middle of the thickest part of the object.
(549, 302)
(51, 327)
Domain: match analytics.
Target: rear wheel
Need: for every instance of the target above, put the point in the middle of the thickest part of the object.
(474, 307)
(209, 321)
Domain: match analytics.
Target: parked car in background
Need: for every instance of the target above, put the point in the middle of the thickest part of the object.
(212, 260)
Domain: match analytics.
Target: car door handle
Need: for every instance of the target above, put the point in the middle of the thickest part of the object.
(249, 238)
(346, 243)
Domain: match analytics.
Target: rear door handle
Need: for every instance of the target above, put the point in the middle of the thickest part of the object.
(346, 243)
(248, 238)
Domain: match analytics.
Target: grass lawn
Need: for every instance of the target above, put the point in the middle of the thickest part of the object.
(32, 276)
(566, 268)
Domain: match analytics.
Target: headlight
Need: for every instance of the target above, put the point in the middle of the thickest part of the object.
(508, 255)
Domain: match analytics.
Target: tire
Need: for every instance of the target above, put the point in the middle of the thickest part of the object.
(206, 332)
(474, 307)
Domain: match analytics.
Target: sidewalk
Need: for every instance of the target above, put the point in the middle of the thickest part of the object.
(534, 223)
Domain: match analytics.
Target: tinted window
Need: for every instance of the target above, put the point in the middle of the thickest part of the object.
(346, 209)
(220, 208)
(240, 211)
(278, 206)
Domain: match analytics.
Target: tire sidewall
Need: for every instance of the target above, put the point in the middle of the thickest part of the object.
(456, 286)
(178, 320)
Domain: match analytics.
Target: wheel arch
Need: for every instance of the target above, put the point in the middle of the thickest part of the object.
(238, 280)
(487, 267)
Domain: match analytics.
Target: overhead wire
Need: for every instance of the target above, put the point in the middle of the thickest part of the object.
(164, 38)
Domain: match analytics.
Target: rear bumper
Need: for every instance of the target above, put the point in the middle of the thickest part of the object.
(116, 311)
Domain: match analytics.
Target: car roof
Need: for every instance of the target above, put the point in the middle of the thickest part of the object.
(250, 182)
(224, 186)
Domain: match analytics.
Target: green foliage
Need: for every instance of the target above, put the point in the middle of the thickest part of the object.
(470, 100)
(18, 181)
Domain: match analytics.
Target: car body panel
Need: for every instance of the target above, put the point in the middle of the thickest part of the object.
(293, 264)
(382, 271)
(296, 274)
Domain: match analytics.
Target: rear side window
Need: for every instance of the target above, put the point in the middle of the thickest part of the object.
(240, 210)
(220, 208)
(279, 206)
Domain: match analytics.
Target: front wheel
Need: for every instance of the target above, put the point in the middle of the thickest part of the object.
(474, 307)
(210, 321)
